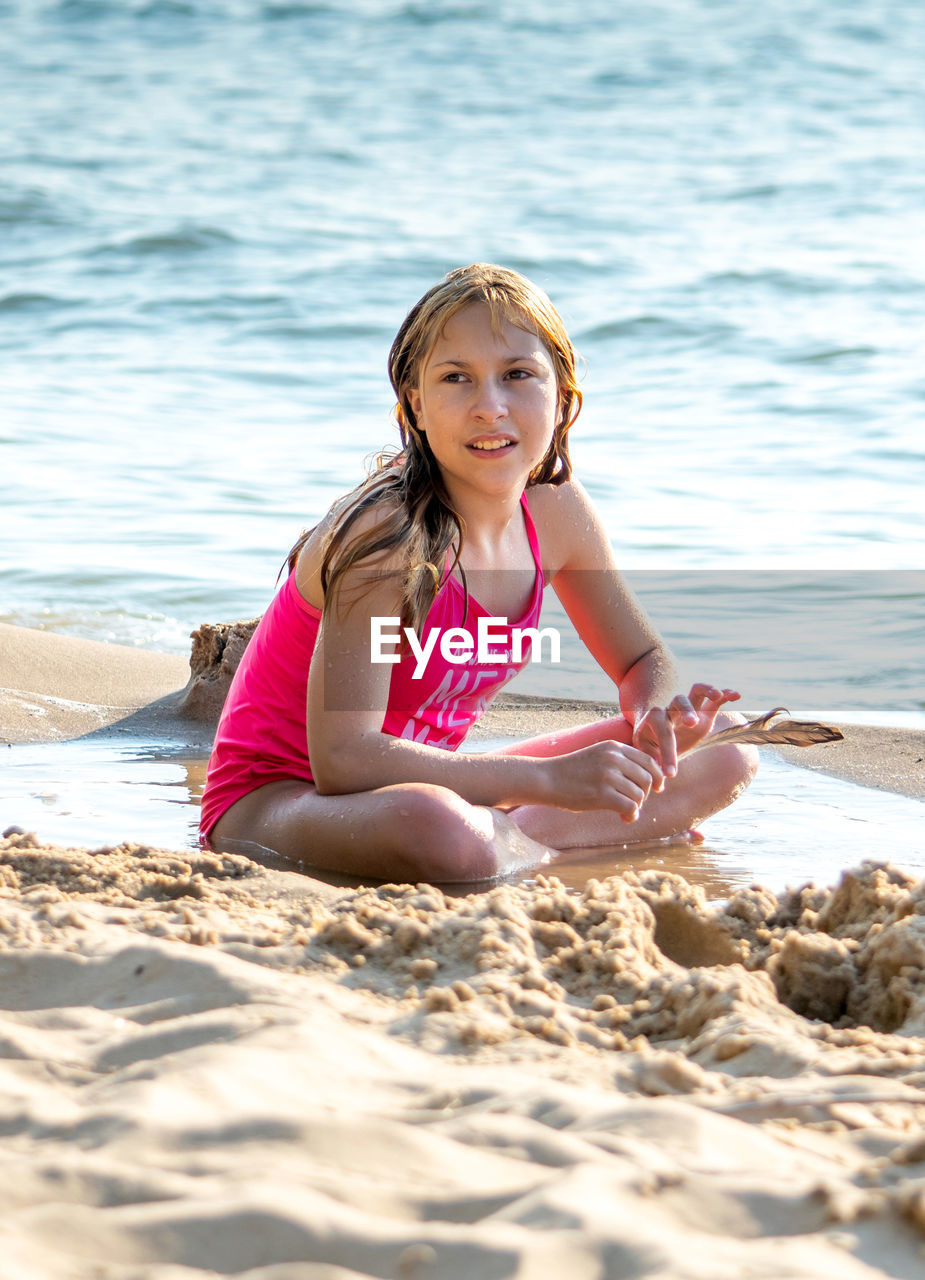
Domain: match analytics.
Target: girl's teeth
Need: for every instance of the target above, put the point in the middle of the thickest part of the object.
(498, 444)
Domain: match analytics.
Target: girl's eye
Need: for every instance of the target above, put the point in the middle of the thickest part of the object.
(457, 375)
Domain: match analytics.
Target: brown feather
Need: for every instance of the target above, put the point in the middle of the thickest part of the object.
(761, 731)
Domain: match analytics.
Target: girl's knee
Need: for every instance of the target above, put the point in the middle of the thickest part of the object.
(441, 837)
(735, 764)
(742, 765)
(732, 768)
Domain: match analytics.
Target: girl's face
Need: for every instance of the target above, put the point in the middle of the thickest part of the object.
(487, 401)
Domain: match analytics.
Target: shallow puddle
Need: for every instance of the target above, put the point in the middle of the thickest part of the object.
(101, 791)
(792, 825)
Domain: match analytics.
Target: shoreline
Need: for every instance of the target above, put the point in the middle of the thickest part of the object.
(55, 688)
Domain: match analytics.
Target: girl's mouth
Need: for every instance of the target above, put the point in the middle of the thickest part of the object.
(491, 446)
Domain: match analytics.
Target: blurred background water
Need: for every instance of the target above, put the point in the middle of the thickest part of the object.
(215, 213)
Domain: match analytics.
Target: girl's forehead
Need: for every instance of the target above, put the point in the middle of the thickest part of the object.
(478, 323)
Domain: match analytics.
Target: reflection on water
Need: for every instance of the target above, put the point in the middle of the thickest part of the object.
(792, 825)
(102, 791)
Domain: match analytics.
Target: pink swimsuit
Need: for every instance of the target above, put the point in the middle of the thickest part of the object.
(261, 736)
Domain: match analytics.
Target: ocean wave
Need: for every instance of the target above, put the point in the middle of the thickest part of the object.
(829, 355)
(656, 326)
(91, 9)
(306, 9)
(34, 302)
(769, 277)
(31, 208)
(433, 13)
(182, 239)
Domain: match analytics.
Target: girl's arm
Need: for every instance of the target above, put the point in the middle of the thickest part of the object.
(347, 699)
(617, 630)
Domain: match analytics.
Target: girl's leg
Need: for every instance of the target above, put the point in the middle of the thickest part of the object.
(415, 831)
(705, 783)
(560, 742)
(408, 832)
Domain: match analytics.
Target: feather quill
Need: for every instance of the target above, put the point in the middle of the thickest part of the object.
(763, 731)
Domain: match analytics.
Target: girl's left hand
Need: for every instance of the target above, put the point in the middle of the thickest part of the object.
(667, 732)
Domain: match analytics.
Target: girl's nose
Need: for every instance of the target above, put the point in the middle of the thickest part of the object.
(489, 403)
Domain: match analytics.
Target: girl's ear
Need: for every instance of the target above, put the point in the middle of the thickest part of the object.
(414, 400)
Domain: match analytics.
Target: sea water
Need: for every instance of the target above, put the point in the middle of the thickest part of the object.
(215, 213)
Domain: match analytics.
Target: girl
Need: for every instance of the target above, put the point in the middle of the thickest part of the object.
(335, 749)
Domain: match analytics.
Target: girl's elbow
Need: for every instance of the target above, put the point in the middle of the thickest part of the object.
(331, 778)
(324, 784)
(338, 771)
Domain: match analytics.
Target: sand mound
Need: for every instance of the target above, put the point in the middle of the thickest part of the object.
(202, 1074)
(216, 651)
(631, 956)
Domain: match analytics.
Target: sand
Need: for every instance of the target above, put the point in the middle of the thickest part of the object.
(211, 1068)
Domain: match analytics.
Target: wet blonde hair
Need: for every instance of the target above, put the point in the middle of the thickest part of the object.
(406, 484)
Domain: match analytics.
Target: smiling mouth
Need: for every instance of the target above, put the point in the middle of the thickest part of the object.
(491, 446)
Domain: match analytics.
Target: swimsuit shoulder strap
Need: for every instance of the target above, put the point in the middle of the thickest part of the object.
(531, 532)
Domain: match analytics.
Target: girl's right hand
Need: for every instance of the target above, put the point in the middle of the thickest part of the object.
(606, 775)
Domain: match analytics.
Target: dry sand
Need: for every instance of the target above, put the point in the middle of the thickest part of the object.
(209, 1068)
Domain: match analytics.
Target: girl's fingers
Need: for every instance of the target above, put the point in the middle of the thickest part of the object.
(633, 774)
(635, 795)
(630, 798)
(648, 776)
(659, 729)
(642, 761)
(667, 745)
(613, 775)
(701, 693)
(682, 711)
(625, 798)
(634, 771)
(649, 739)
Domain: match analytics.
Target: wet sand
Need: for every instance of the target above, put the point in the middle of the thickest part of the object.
(210, 1067)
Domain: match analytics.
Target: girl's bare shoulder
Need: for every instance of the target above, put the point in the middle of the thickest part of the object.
(313, 551)
(565, 518)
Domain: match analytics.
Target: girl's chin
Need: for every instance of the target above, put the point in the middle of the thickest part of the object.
(497, 484)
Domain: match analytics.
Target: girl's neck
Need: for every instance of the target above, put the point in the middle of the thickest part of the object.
(494, 538)
(486, 517)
